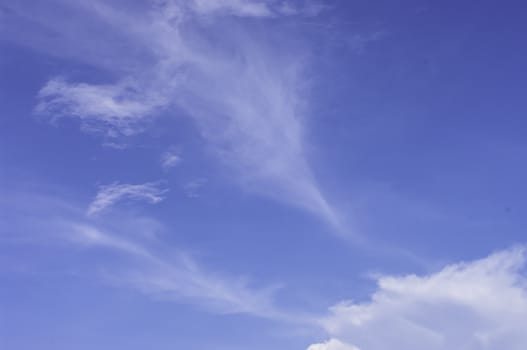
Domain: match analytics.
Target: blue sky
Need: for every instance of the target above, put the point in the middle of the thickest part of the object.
(267, 174)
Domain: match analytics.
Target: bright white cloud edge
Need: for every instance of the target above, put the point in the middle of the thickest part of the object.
(109, 195)
(332, 344)
(479, 305)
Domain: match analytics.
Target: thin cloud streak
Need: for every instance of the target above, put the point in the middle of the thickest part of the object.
(178, 277)
(109, 195)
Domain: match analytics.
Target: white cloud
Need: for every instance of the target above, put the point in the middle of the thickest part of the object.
(108, 195)
(332, 344)
(170, 159)
(113, 109)
(481, 305)
(247, 95)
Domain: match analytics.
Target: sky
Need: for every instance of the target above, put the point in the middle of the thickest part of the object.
(263, 174)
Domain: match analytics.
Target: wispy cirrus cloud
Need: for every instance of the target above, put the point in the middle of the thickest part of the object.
(476, 305)
(108, 195)
(248, 96)
(176, 277)
(262, 8)
(134, 256)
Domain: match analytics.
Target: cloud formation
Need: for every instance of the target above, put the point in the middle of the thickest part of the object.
(481, 305)
(134, 257)
(177, 277)
(108, 195)
(332, 344)
(113, 109)
(248, 96)
(262, 9)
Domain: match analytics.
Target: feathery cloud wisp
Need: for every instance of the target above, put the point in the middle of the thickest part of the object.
(179, 277)
(477, 305)
(108, 195)
(247, 96)
(134, 256)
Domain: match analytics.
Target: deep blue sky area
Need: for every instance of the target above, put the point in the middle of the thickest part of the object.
(263, 174)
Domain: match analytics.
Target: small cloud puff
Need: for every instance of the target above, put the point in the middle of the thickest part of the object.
(170, 159)
(242, 8)
(108, 195)
(332, 344)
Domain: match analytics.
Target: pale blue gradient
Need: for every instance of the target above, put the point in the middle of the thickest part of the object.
(317, 144)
